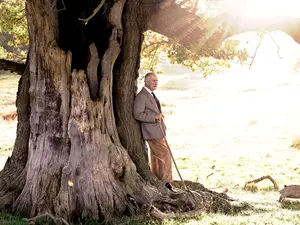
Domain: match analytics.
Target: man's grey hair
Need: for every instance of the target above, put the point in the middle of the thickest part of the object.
(148, 75)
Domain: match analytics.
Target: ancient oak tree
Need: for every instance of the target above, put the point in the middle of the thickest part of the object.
(79, 152)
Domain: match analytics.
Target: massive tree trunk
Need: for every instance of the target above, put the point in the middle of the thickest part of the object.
(79, 152)
(125, 87)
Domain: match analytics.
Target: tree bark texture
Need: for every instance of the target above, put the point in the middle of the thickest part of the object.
(125, 88)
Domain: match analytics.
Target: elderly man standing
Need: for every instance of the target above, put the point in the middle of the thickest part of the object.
(147, 110)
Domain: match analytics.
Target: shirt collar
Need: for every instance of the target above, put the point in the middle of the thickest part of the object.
(148, 89)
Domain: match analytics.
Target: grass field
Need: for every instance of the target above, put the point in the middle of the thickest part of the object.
(8, 115)
(223, 131)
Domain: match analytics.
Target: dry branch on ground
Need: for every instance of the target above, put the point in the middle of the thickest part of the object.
(260, 179)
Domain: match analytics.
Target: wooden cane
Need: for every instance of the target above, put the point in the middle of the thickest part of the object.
(173, 159)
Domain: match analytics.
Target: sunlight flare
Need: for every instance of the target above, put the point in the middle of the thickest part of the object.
(263, 8)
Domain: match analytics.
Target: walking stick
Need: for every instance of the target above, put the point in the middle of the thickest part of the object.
(173, 159)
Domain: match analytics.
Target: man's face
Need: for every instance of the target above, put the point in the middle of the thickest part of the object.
(151, 82)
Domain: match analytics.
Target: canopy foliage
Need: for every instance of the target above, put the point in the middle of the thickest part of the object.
(156, 47)
(13, 30)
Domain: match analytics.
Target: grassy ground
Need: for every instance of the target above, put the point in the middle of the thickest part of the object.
(223, 131)
(8, 115)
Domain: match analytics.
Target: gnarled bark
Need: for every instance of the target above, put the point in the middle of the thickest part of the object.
(125, 88)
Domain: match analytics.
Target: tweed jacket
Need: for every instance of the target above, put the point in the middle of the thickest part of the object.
(144, 110)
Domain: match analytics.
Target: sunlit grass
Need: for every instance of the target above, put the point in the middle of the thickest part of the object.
(176, 85)
(8, 114)
(226, 137)
(5, 152)
(296, 143)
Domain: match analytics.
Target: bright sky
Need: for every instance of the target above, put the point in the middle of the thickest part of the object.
(278, 52)
(263, 8)
(267, 59)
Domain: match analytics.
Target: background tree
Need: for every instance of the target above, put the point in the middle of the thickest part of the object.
(13, 31)
(156, 48)
(79, 152)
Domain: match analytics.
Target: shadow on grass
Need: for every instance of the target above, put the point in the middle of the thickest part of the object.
(294, 207)
(9, 219)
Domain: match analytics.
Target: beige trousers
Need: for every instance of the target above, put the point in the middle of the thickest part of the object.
(160, 158)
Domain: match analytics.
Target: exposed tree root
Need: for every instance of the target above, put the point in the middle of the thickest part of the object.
(192, 202)
(47, 218)
(263, 178)
(154, 212)
(195, 186)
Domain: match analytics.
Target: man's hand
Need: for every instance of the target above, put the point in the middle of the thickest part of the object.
(159, 116)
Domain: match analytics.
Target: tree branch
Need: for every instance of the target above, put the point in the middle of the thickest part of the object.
(263, 178)
(94, 12)
(198, 33)
(153, 44)
(278, 48)
(253, 57)
(12, 66)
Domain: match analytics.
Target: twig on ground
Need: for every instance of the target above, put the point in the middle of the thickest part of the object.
(263, 178)
(209, 175)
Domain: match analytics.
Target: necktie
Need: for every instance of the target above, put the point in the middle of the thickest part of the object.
(157, 102)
